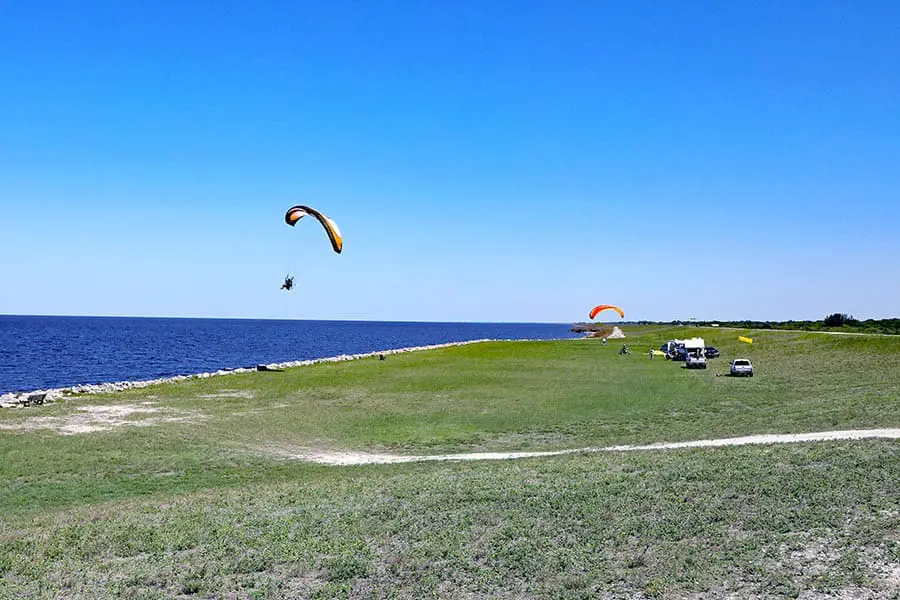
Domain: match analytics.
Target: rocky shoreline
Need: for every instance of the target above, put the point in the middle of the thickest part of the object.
(23, 399)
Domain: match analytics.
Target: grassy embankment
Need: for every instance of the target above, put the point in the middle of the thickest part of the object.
(202, 500)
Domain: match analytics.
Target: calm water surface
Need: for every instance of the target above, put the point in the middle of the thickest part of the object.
(49, 352)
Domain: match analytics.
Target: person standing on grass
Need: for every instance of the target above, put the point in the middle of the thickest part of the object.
(651, 353)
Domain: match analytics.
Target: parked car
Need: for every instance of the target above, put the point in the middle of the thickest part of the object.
(741, 366)
(677, 353)
(711, 352)
(695, 360)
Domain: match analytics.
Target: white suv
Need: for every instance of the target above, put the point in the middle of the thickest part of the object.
(741, 366)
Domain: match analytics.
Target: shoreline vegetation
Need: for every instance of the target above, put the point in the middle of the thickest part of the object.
(18, 399)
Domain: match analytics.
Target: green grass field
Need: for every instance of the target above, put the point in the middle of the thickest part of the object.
(187, 489)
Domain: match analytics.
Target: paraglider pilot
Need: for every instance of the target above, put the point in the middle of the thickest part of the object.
(288, 283)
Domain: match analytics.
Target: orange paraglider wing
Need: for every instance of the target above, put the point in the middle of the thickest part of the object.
(597, 309)
(295, 213)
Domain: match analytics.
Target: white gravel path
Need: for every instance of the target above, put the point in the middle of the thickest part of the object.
(348, 458)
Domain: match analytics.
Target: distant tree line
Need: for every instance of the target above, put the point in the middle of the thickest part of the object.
(833, 322)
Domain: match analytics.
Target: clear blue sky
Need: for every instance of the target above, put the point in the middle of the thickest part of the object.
(486, 161)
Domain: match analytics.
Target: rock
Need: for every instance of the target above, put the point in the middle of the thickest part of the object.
(616, 334)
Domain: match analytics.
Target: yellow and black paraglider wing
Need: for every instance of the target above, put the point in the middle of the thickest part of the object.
(597, 309)
(295, 213)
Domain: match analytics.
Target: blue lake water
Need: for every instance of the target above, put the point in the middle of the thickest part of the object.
(49, 352)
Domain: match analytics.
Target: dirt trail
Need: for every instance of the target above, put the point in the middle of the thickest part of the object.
(348, 458)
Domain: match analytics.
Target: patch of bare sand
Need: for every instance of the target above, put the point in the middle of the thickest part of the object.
(249, 412)
(349, 457)
(811, 559)
(245, 394)
(94, 418)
